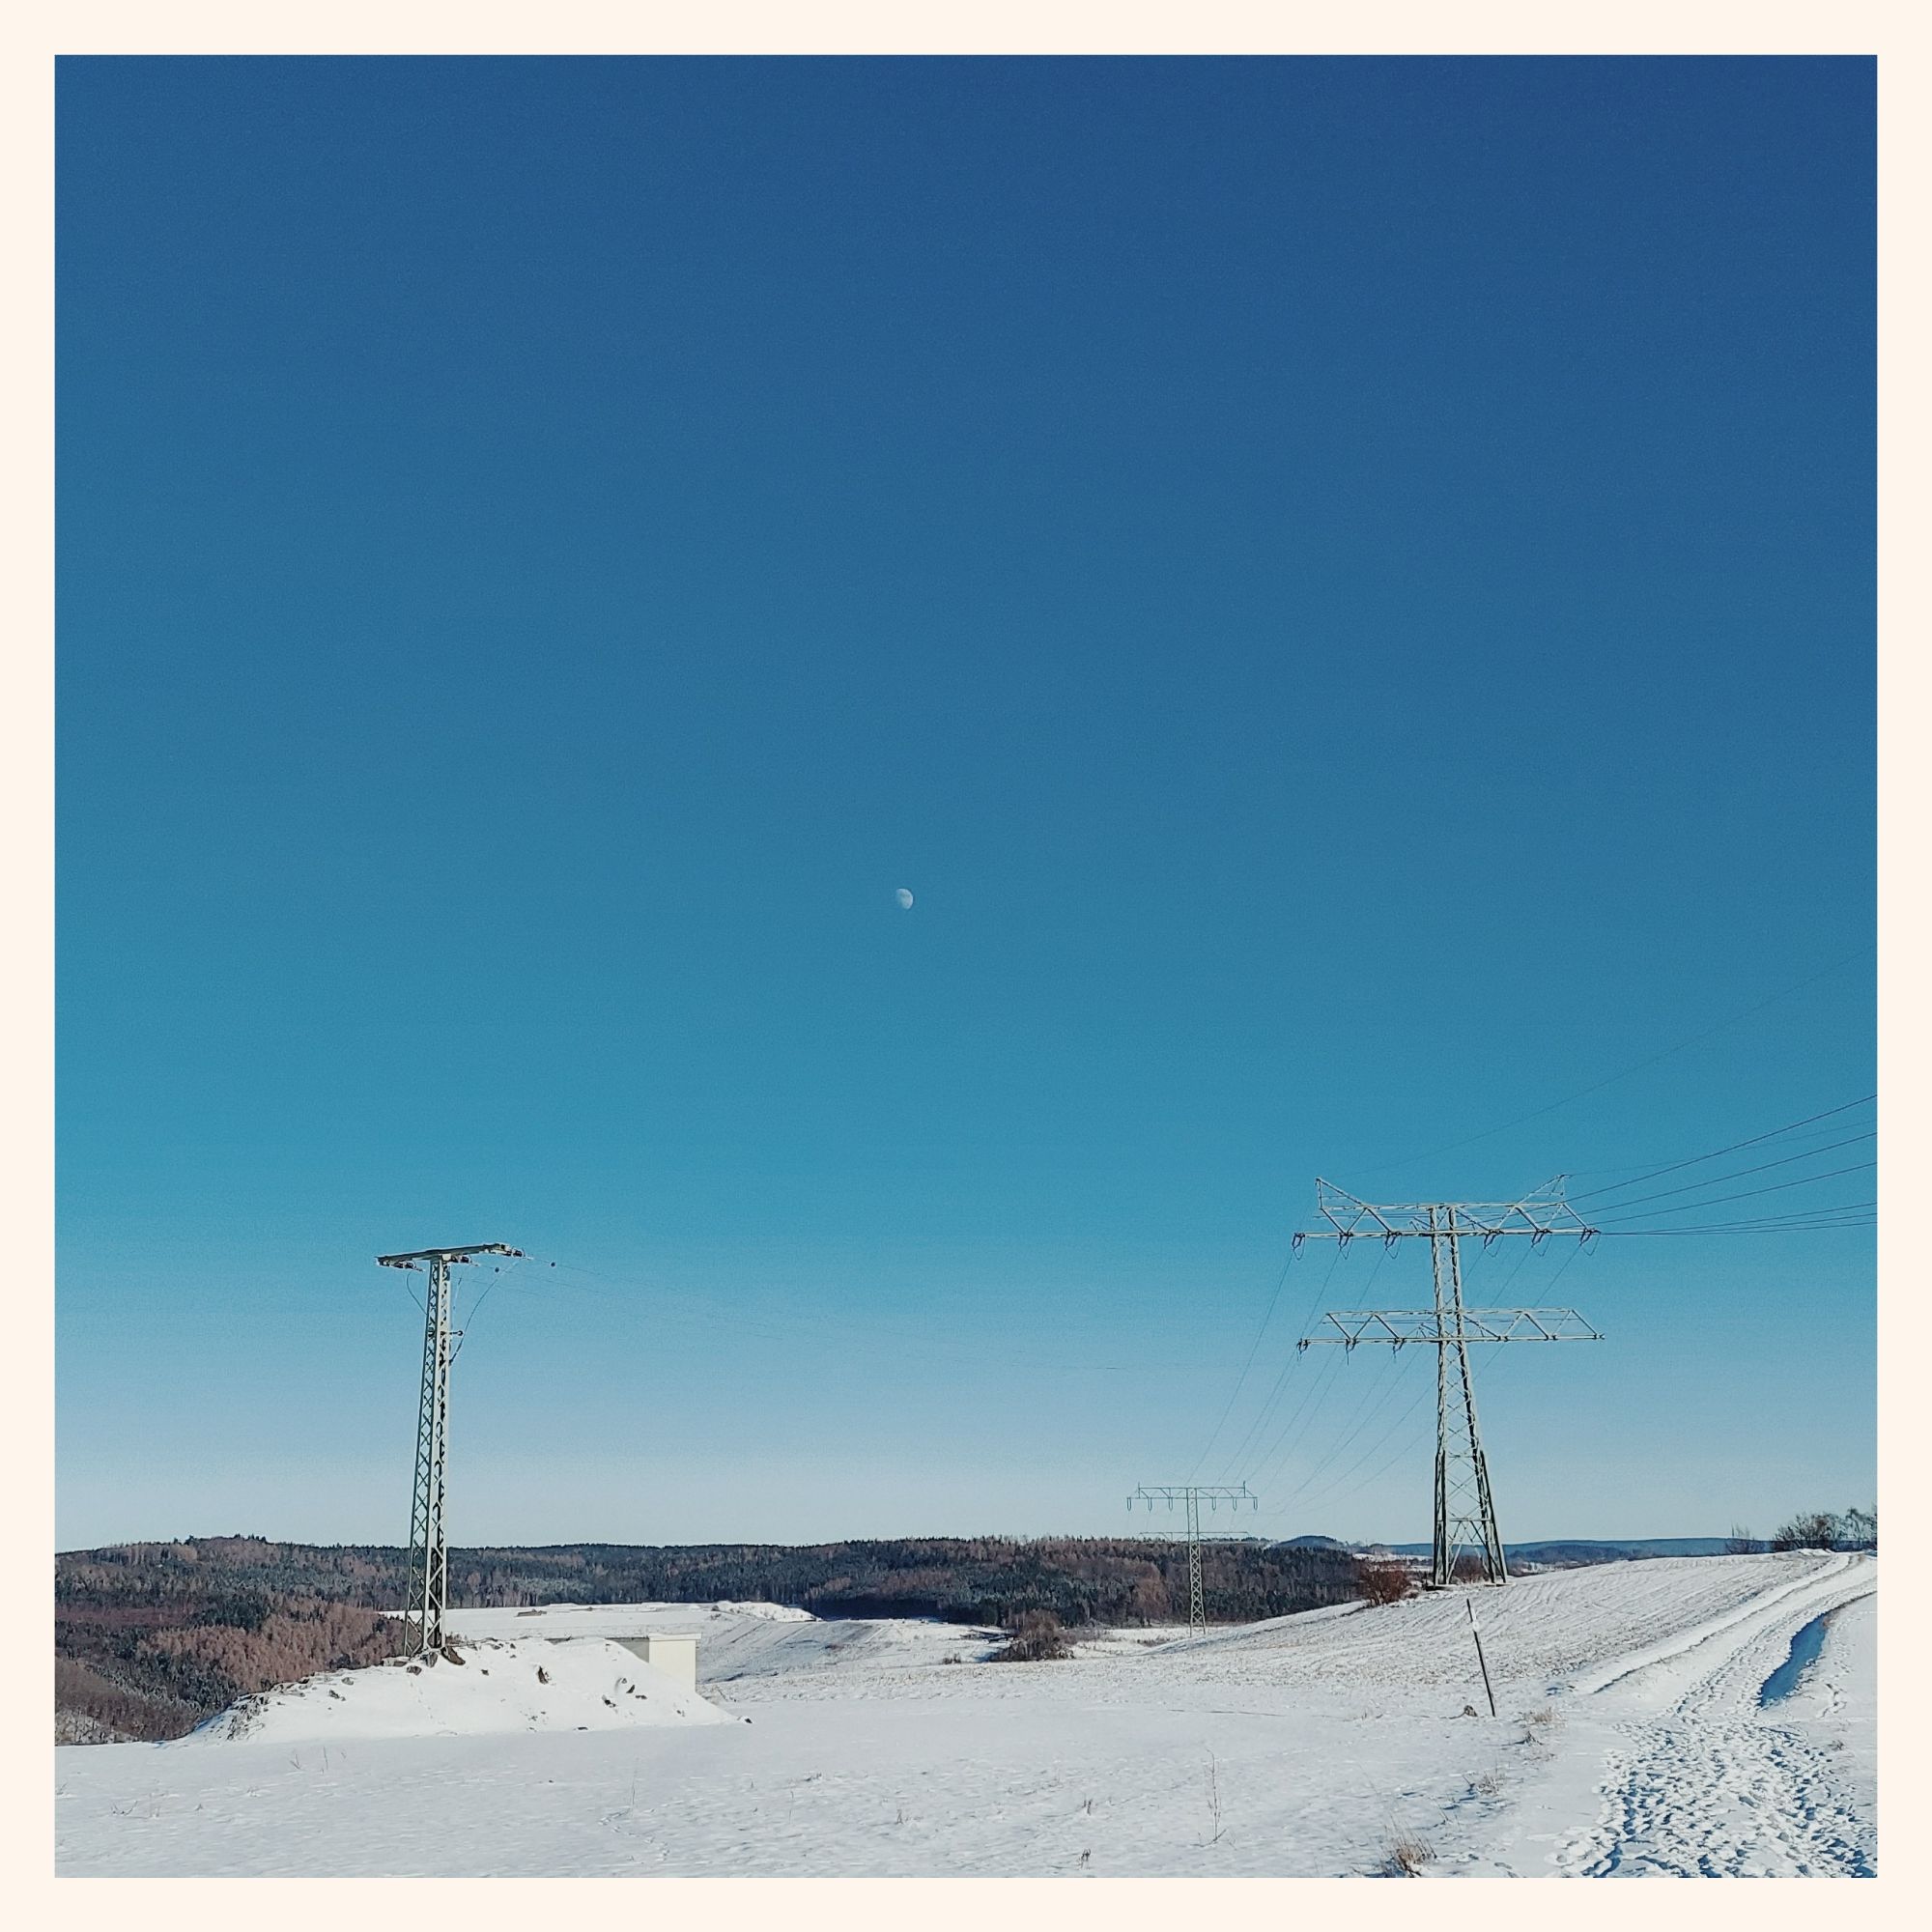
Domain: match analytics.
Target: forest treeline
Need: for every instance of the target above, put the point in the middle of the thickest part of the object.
(152, 1638)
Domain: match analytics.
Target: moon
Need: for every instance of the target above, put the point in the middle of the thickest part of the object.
(904, 898)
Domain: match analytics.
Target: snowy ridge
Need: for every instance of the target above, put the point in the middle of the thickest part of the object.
(482, 1689)
(1825, 1579)
(741, 1640)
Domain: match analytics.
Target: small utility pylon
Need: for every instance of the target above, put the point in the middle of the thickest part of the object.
(1466, 1511)
(1193, 1494)
(428, 1590)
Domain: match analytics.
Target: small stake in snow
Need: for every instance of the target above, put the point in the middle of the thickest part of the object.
(1475, 1631)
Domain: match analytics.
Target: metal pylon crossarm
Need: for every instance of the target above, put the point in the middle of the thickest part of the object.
(1399, 1326)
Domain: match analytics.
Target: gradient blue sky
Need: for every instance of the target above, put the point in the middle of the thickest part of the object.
(1344, 587)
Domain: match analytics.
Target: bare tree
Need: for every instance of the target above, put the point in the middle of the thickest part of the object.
(1741, 1542)
(1814, 1529)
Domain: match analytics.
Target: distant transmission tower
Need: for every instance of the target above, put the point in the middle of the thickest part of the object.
(1466, 1511)
(428, 1597)
(1193, 1494)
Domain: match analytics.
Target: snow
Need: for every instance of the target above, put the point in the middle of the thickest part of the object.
(1629, 1742)
(737, 1640)
(1669, 1765)
(482, 1689)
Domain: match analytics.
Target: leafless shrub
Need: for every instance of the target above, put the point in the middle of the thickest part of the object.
(1539, 1729)
(1407, 1854)
(1036, 1638)
(1383, 1579)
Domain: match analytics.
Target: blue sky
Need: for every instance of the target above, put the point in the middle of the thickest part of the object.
(1344, 588)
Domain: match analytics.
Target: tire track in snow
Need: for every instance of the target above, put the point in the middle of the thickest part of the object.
(1714, 1789)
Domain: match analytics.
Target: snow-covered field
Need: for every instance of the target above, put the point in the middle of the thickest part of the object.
(1629, 1740)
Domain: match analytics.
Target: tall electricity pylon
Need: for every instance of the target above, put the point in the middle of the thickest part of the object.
(428, 1597)
(1466, 1511)
(1192, 1494)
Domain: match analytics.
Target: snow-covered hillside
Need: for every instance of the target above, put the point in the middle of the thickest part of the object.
(467, 1691)
(1629, 1738)
(737, 1640)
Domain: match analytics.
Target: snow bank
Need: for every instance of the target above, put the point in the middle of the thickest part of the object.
(619, 1620)
(536, 1685)
(747, 1641)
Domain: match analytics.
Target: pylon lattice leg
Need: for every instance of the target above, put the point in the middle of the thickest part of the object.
(1465, 1516)
(429, 1543)
(1196, 1604)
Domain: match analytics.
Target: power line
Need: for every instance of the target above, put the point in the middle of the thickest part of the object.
(1636, 1171)
(1609, 1080)
(1374, 1399)
(1375, 1448)
(1829, 1214)
(1717, 1153)
(1297, 1424)
(1776, 1224)
(1331, 1489)
(1738, 1172)
(668, 1303)
(1749, 1193)
(1407, 1444)
(1241, 1380)
(1268, 1407)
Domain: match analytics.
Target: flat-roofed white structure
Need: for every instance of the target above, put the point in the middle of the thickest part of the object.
(673, 1652)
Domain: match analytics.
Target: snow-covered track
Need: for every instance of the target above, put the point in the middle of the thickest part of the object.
(1715, 1786)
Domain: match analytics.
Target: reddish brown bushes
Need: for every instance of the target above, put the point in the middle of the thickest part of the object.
(1383, 1579)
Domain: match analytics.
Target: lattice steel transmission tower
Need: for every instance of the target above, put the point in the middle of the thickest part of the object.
(428, 1597)
(1466, 1510)
(1193, 1494)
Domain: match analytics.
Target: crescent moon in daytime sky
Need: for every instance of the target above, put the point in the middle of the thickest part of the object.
(904, 898)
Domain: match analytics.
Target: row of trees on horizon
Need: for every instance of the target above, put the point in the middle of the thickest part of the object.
(1853, 1528)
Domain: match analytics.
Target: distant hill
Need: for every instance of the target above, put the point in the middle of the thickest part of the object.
(1569, 1554)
